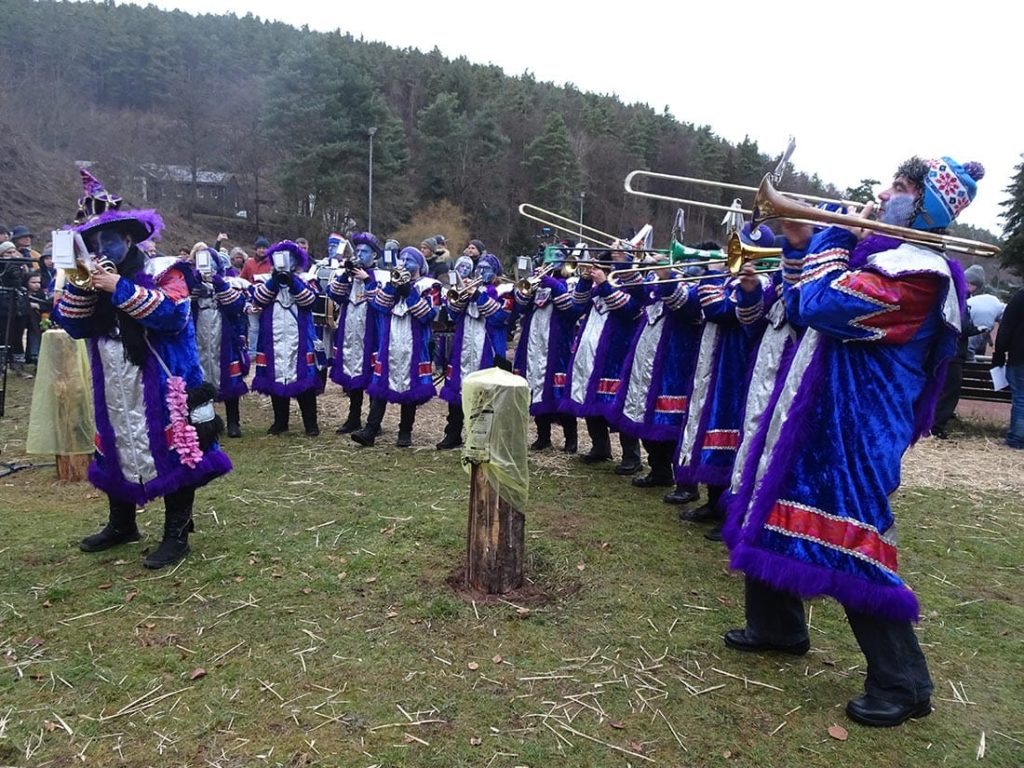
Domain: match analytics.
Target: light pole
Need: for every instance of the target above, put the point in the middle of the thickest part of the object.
(369, 206)
(582, 196)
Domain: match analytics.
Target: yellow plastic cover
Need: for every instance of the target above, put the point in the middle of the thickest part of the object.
(497, 408)
(60, 422)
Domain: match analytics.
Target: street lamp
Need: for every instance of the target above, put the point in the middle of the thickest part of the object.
(582, 196)
(369, 213)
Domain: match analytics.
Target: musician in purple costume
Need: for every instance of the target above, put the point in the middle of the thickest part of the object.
(883, 317)
(595, 370)
(288, 362)
(355, 339)
(657, 375)
(218, 304)
(711, 437)
(402, 370)
(549, 316)
(480, 339)
(156, 432)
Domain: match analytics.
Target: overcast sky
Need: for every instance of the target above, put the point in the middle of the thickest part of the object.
(862, 86)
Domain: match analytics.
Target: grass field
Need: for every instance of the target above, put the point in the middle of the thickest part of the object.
(316, 622)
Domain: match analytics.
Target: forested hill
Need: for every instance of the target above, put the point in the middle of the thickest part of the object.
(287, 110)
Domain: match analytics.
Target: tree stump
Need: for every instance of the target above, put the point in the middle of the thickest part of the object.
(74, 468)
(495, 539)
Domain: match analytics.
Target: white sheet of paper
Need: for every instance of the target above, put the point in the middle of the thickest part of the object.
(63, 248)
(999, 380)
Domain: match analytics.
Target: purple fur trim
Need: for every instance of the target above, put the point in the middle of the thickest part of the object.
(417, 395)
(264, 386)
(871, 245)
(296, 250)
(662, 433)
(148, 219)
(213, 464)
(807, 581)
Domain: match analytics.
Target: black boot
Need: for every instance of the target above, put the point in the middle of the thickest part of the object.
(600, 441)
(120, 528)
(709, 512)
(234, 422)
(630, 463)
(453, 429)
(570, 432)
(354, 421)
(177, 526)
(281, 413)
(368, 434)
(307, 407)
(543, 440)
(405, 422)
(659, 456)
(682, 494)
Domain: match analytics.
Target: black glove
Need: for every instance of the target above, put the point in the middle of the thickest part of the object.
(998, 359)
(283, 279)
(403, 289)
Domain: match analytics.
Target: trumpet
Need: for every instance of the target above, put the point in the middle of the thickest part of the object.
(464, 292)
(769, 204)
(400, 276)
(529, 284)
(81, 275)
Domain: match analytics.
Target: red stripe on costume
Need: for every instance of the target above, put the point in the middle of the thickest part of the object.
(607, 386)
(426, 369)
(261, 359)
(377, 368)
(666, 404)
(722, 439)
(96, 443)
(235, 369)
(310, 358)
(807, 522)
(559, 379)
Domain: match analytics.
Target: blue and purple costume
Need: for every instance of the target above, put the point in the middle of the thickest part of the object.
(135, 459)
(480, 336)
(221, 327)
(288, 361)
(355, 339)
(401, 368)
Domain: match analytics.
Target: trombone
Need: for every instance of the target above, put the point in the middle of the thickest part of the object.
(769, 204)
(529, 284)
(464, 292)
(628, 184)
(606, 240)
(737, 254)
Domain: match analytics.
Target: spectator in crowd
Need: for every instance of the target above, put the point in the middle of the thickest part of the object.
(5, 233)
(238, 258)
(1009, 351)
(184, 254)
(13, 309)
(37, 308)
(22, 239)
(986, 311)
(47, 272)
(148, 248)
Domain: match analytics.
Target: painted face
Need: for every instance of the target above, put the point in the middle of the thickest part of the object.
(332, 248)
(411, 264)
(899, 202)
(464, 268)
(366, 255)
(485, 271)
(112, 245)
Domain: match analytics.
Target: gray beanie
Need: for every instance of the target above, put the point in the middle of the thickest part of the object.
(975, 275)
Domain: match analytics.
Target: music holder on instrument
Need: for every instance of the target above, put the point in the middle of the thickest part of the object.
(497, 408)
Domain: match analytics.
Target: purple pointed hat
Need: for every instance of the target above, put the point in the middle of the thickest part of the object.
(99, 209)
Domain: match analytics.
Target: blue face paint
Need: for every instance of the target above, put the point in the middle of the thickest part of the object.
(365, 254)
(899, 209)
(411, 264)
(112, 245)
(485, 272)
(332, 248)
(464, 268)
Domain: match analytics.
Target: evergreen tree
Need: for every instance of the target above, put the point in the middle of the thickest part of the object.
(551, 167)
(1013, 215)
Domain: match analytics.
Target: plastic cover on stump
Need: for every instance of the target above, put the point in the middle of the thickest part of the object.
(61, 420)
(497, 408)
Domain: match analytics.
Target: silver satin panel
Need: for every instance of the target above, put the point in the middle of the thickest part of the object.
(537, 352)
(354, 341)
(583, 360)
(701, 382)
(400, 353)
(208, 339)
(762, 382)
(635, 406)
(474, 336)
(286, 339)
(804, 354)
(126, 409)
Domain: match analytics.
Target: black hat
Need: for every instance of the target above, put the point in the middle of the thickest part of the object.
(21, 231)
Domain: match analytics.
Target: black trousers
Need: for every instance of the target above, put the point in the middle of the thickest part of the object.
(897, 671)
(600, 438)
(946, 405)
(659, 456)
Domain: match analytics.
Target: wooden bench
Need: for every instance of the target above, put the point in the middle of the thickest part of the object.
(977, 383)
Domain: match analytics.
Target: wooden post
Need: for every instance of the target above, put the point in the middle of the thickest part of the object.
(495, 539)
(74, 468)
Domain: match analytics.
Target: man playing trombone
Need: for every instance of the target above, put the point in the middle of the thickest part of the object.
(812, 516)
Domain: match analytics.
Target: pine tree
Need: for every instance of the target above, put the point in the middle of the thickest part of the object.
(1013, 215)
(551, 166)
